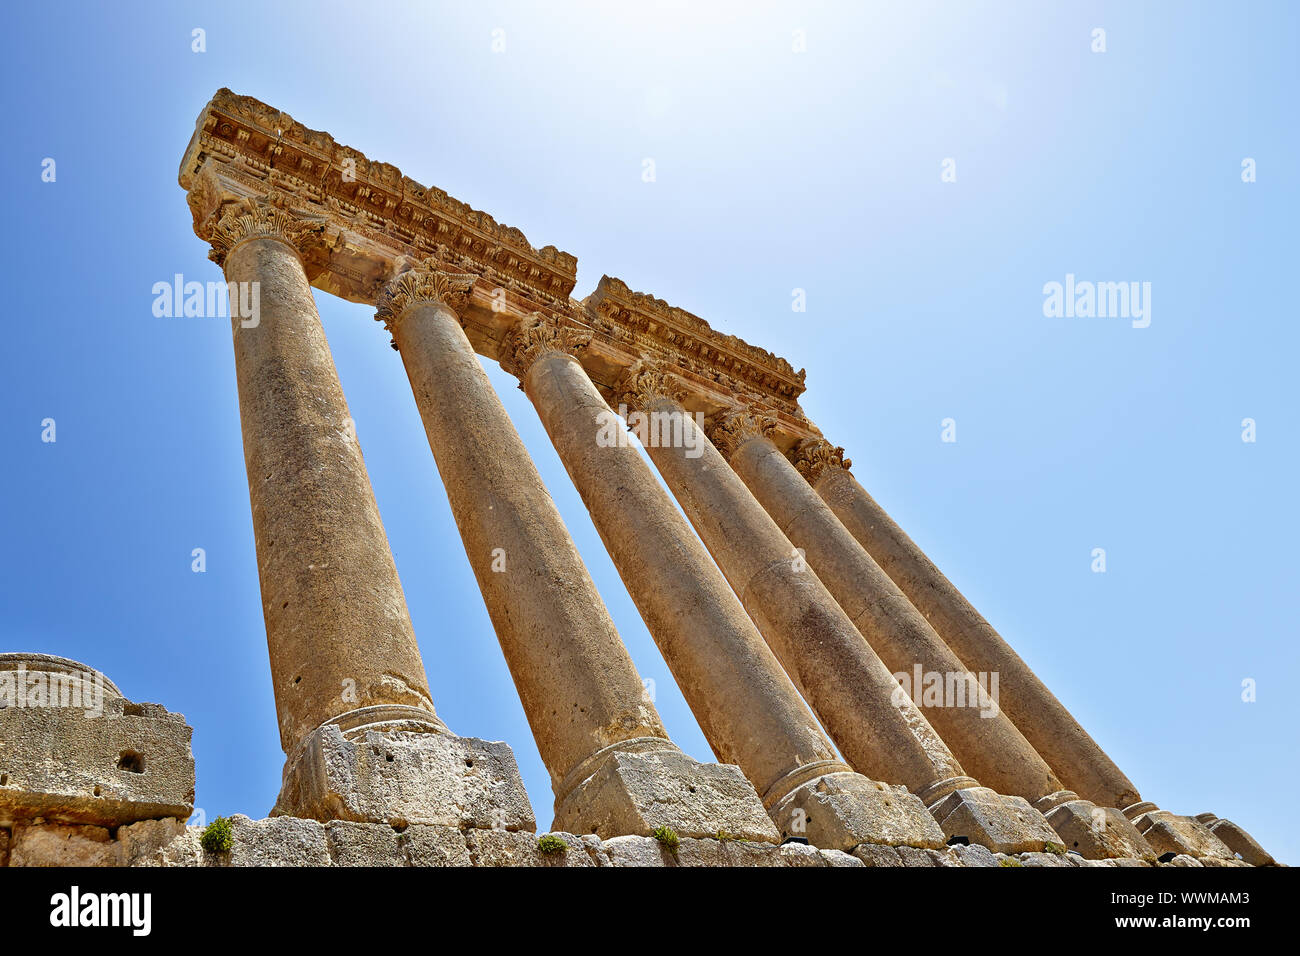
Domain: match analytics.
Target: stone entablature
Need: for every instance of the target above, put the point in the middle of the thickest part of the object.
(369, 218)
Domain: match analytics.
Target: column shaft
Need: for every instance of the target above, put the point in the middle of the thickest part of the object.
(749, 711)
(983, 739)
(337, 627)
(1077, 759)
(578, 686)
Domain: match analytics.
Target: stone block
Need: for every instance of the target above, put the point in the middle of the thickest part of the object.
(38, 843)
(800, 854)
(405, 777)
(166, 842)
(637, 851)
(1044, 860)
(1166, 832)
(915, 857)
(874, 854)
(636, 793)
(277, 841)
(1183, 860)
(504, 848)
(434, 846)
(74, 750)
(1098, 833)
(837, 811)
(975, 855)
(840, 858)
(730, 853)
(363, 844)
(1003, 824)
(1241, 843)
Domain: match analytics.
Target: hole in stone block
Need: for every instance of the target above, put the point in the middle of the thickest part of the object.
(297, 680)
(959, 841)
(284, 605)
(131, 761)
(97, 791)
(468, 762)
(1166, 857)
(4, 779)
(388, 757)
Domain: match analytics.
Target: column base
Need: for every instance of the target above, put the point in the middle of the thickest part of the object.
(1098, 833)
(1237, 840)
(1004, 824)
(636, 786)
(400, 765)
(1169, 833)
(839, 810)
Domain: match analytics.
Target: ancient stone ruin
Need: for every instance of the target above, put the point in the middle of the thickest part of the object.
(784, 602)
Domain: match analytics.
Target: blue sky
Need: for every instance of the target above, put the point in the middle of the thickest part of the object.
(775, 170)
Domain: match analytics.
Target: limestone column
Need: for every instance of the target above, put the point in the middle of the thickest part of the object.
(344, 659)
(612, 766)
(747, 707)
(875, 725)
(1045, 722)
(984, 740)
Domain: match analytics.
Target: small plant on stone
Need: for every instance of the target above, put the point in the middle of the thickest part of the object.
(667, 836)
(1009, 861)
(1054, 848)
(550, 844)
(723, 836)
(218, 836)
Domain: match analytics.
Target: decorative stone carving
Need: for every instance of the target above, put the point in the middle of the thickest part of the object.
(534, 336)
(813, 456)
(646, 381)
(424, 283)
(266, 216)
(729, 430)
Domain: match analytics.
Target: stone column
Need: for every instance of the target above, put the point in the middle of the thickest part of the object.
(612, 766)
(1043, 720)
(875, 725)
(747, 707)
(344, 659)
(985, 740)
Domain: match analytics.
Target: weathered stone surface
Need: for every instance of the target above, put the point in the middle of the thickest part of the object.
(4, 847)
(912, 856)
(1004, 824)
(278, 841)
(1183, 860)
(975, 855)
(96, 757)
(801, 854)
(167, 842)
(634, 793)
(434, 846)
(637, 851)
(504, 848)
(1097, 832)
(1045, 859)
(406, 778)
(873, 854)
(1239, 841)
(1166, 832)
(837, 811)
(38, 843)
(840, 858)
(363, 844)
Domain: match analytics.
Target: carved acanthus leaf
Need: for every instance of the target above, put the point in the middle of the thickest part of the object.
(268, 216)
(647, 380)
(423, 283)
(534, 336)
(730, 429)
(813, 456)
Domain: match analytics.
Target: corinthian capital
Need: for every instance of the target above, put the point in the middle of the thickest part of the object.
(260, 217)
(422, 283)
(647, 381)
(813, 456)
(730, 429)
(534, 336)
